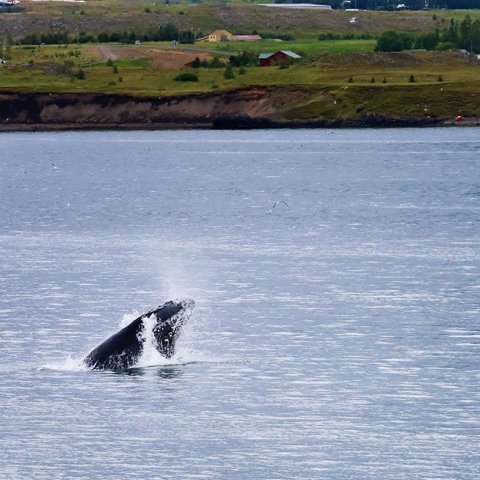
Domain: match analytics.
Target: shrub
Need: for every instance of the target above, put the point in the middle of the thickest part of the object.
(392, 41)
(81, 75)
(350, 80)
(186, 77)
(428, 41)
(243, 59)
(411, 79)
(109, 62)
(440, 78)
(228, 74)
(242, 71)
(372, 80)
(115, 69)
(443, 46)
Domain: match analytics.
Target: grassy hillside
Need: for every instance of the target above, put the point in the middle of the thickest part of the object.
(96, 16)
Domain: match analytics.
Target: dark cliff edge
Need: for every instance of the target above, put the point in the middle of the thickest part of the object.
(249, 108)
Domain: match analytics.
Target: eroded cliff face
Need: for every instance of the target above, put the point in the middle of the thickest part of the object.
(98, 109)
(254, 107)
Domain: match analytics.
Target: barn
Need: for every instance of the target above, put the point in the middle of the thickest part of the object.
(269, 59)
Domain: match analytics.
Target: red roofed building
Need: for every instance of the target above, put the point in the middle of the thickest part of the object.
(269, 59)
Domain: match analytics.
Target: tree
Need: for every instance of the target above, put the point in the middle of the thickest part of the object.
(452, 35)
(465, 39)
(428, 41)
(475, 36)
(392, 41)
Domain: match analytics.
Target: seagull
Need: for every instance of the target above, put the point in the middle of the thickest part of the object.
(275, 204)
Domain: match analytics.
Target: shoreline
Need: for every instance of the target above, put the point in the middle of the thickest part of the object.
(242, 124)
(249, 109)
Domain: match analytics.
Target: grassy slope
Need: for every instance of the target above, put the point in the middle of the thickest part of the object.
(108, 15)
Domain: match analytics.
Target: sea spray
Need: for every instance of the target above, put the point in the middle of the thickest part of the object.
(150, 355)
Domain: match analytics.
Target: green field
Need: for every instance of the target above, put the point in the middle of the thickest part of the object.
(302, 47)
(42, 69)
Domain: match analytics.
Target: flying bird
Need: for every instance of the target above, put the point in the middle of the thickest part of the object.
(281, 201)
(275, 204)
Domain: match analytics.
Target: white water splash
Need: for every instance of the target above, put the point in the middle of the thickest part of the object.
(150, 355)
(128, 318)
(68, 364)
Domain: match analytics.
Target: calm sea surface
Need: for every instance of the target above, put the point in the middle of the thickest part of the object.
(334, 338)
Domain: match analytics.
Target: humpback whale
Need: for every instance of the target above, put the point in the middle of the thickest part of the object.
(123, 349)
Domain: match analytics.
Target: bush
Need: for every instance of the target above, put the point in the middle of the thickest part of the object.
(444, 46)
(392, 41)
(280, 36)
(428, 41)
(228, 74)
(242, 71)
(372, 80)
(411, 79)
(186, 77)
(243, 59)
(440, 78)
(81, 75)
(350, 79)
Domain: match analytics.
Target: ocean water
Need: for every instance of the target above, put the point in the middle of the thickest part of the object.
(335, 336)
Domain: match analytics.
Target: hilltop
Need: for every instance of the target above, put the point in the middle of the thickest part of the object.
(94, 17)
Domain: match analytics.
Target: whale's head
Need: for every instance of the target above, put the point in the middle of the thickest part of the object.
(170, 319)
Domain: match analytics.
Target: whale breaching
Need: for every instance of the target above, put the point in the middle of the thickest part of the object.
(123, 349)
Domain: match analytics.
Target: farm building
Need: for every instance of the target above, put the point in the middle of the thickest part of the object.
(268, 59)
(246, 38)
(220, 36)
(226, 36)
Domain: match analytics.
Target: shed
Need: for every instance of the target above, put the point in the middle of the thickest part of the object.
(269, 59)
